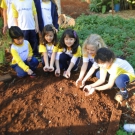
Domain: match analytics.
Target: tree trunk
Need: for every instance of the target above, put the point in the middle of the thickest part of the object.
(58, 2)
(88, 1)
(112, 7)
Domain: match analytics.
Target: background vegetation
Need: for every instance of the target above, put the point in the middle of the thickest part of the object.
(118, 33)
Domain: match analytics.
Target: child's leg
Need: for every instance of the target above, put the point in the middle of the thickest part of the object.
(63, 60)
(121, 82)
(30, 35)
(20, 72)
(34, 42)
(33, 63)
(76, 64)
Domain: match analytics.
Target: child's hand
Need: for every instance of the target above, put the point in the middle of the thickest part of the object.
(66, 74)
(30, 72)
(83, 83)
(80, 83)
(51, 69)
(46, 68)
(37, 29)
(88, 90)
(29, 58)
(5, 28)
(57, 72)
(56, 30)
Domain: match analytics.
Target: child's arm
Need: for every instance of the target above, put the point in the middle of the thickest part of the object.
(99, 82)
(45, 57)
(30, 52)
(19, 61)
(42, 49)
(57, 71)
(55, 19)
(73, 61)
(109, 85)
(90, 73)
(52, 61)
(15, 14)
(4, 7)
(35, 17)
(82, 72)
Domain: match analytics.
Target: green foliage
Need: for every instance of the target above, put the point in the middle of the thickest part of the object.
(101, 5)
(122, 132)
(4, 43)
(118, 33)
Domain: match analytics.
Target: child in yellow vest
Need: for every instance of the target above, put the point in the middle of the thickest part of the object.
(48, 47)
(25, 17)
(7, 14)
(89, 49)
(23, 61)
(69, 53)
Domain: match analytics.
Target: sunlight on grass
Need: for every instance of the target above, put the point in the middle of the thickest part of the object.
(4, 43)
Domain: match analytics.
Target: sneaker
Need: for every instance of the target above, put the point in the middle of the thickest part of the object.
(33, 75)
(124, 95)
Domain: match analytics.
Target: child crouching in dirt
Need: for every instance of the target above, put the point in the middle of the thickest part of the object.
(89, 49)
(120, 72)
(48, 47)
(69, 53)
(23, 61)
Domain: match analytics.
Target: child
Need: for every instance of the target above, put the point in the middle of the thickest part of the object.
(7, 15)
(25, 17)
(47, 13)
(23, 62)
(120, 72)
(90, 47)
(48, 47)
(69, 53)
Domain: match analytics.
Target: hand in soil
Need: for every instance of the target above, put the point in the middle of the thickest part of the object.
(57, 72)
(66, 74)
(30, 72)
(51, 69)
(80, 84)
(88, 90)
(46, 68)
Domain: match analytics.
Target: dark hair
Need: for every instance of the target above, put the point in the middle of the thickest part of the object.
(72, 34)
(15, 32)
(46, 29)
(104, 55)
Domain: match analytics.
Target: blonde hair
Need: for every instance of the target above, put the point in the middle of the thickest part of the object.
(94, 40)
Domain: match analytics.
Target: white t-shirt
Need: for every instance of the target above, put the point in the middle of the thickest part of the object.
(46, 12)
(89, 58)
(24, 9)
(23, 50)
(6, 4)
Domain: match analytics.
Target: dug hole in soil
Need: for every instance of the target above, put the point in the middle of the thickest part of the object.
(47, 105)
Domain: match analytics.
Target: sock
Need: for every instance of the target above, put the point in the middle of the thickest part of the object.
(124, 91)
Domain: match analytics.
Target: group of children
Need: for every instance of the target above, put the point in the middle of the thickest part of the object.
(65, 55)
(30, 16)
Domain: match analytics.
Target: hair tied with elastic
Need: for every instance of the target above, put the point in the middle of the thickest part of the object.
(75, 35)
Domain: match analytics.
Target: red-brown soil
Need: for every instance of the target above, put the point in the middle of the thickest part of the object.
(47, 105)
